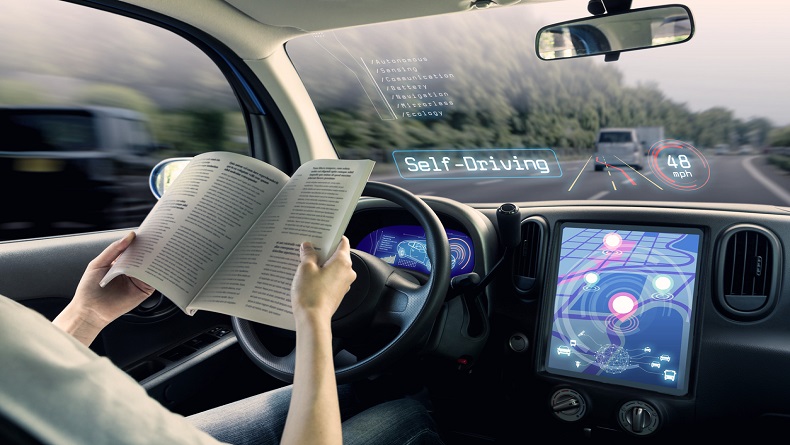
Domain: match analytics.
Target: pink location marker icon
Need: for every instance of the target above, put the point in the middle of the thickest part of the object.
(612, 241)
(623, 305)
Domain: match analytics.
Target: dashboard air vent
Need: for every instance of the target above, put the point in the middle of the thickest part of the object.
(749, 263)
(527, 259)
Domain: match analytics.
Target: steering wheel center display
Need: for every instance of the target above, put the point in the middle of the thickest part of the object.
(623, 308)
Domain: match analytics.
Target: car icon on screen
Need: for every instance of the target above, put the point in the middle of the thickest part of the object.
(647, 349)
(670, 374)
(664, 358)
(414, 250)
(655, 364)
(564, 350)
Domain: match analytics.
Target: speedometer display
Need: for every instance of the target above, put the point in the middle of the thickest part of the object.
(404, 246)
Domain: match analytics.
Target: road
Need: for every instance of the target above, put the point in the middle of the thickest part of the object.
(744, 179)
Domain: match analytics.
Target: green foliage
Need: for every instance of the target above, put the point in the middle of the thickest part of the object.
(190, 132)
(18, 92)
(755, 131)
(779, 137)
(781, 161)
(208, 127)
(109, 95)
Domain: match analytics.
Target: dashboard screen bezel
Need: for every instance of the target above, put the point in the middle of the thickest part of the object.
(547, 318)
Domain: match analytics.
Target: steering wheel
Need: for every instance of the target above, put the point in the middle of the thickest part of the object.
(381, 296)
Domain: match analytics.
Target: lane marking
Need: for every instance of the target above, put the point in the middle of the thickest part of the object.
(580, 173)
(615, 187)
(767, 183)
(610, 166)
(640, 174)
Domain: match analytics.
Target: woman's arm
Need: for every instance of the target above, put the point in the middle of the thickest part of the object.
(314, 413)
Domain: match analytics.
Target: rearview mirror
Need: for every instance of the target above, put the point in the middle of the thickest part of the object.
(614, 33)
(164, 173)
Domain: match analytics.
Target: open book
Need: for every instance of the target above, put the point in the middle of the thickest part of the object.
(225, 236)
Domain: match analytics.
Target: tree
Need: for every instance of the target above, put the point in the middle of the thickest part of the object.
(714, 126)
(208, 127)
(109, 95)
(779, 137)
(18, 92)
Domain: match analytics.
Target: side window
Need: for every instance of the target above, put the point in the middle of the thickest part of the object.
(84, 119)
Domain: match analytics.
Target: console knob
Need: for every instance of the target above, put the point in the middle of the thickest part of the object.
(568, 405)
(638, 417)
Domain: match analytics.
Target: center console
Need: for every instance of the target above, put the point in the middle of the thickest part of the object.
(620, 314)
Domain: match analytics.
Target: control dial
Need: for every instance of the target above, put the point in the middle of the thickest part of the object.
(568, 405)
(638, 417)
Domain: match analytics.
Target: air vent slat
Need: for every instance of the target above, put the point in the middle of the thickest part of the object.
(732, 254)
(527, 259)
(747, 259)
(766, 253)
(744, 265)
(750, 257)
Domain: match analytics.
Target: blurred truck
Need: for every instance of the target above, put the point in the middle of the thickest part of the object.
(66, 165)
(649, 136)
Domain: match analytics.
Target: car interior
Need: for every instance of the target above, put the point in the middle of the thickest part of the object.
(522, 285)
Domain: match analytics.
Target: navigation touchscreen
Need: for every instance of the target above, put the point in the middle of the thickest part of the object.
(623, 307)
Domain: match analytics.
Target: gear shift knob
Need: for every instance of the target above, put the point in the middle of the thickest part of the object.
(508, 218)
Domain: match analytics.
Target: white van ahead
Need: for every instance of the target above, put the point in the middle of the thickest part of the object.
(618, 146)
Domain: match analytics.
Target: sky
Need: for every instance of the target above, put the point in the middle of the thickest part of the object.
(737, 58)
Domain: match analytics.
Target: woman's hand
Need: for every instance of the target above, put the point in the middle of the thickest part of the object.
(94, 307)
(317, 290)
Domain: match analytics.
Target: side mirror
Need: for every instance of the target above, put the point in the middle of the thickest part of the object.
(615, 33)
(164, 173)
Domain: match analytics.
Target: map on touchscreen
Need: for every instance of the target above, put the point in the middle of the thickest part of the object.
(622, 310)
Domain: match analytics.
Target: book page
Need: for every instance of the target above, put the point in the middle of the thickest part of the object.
(316, 205)
(198, 221)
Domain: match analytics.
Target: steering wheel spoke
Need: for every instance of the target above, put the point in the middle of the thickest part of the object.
(401, 301)
(394, 312)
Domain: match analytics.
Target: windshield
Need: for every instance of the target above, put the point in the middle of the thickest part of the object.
(460, 106)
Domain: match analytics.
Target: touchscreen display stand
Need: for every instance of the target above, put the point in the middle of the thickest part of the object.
(622, 310)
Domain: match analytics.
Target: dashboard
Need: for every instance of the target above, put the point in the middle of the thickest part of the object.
(650, 320)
